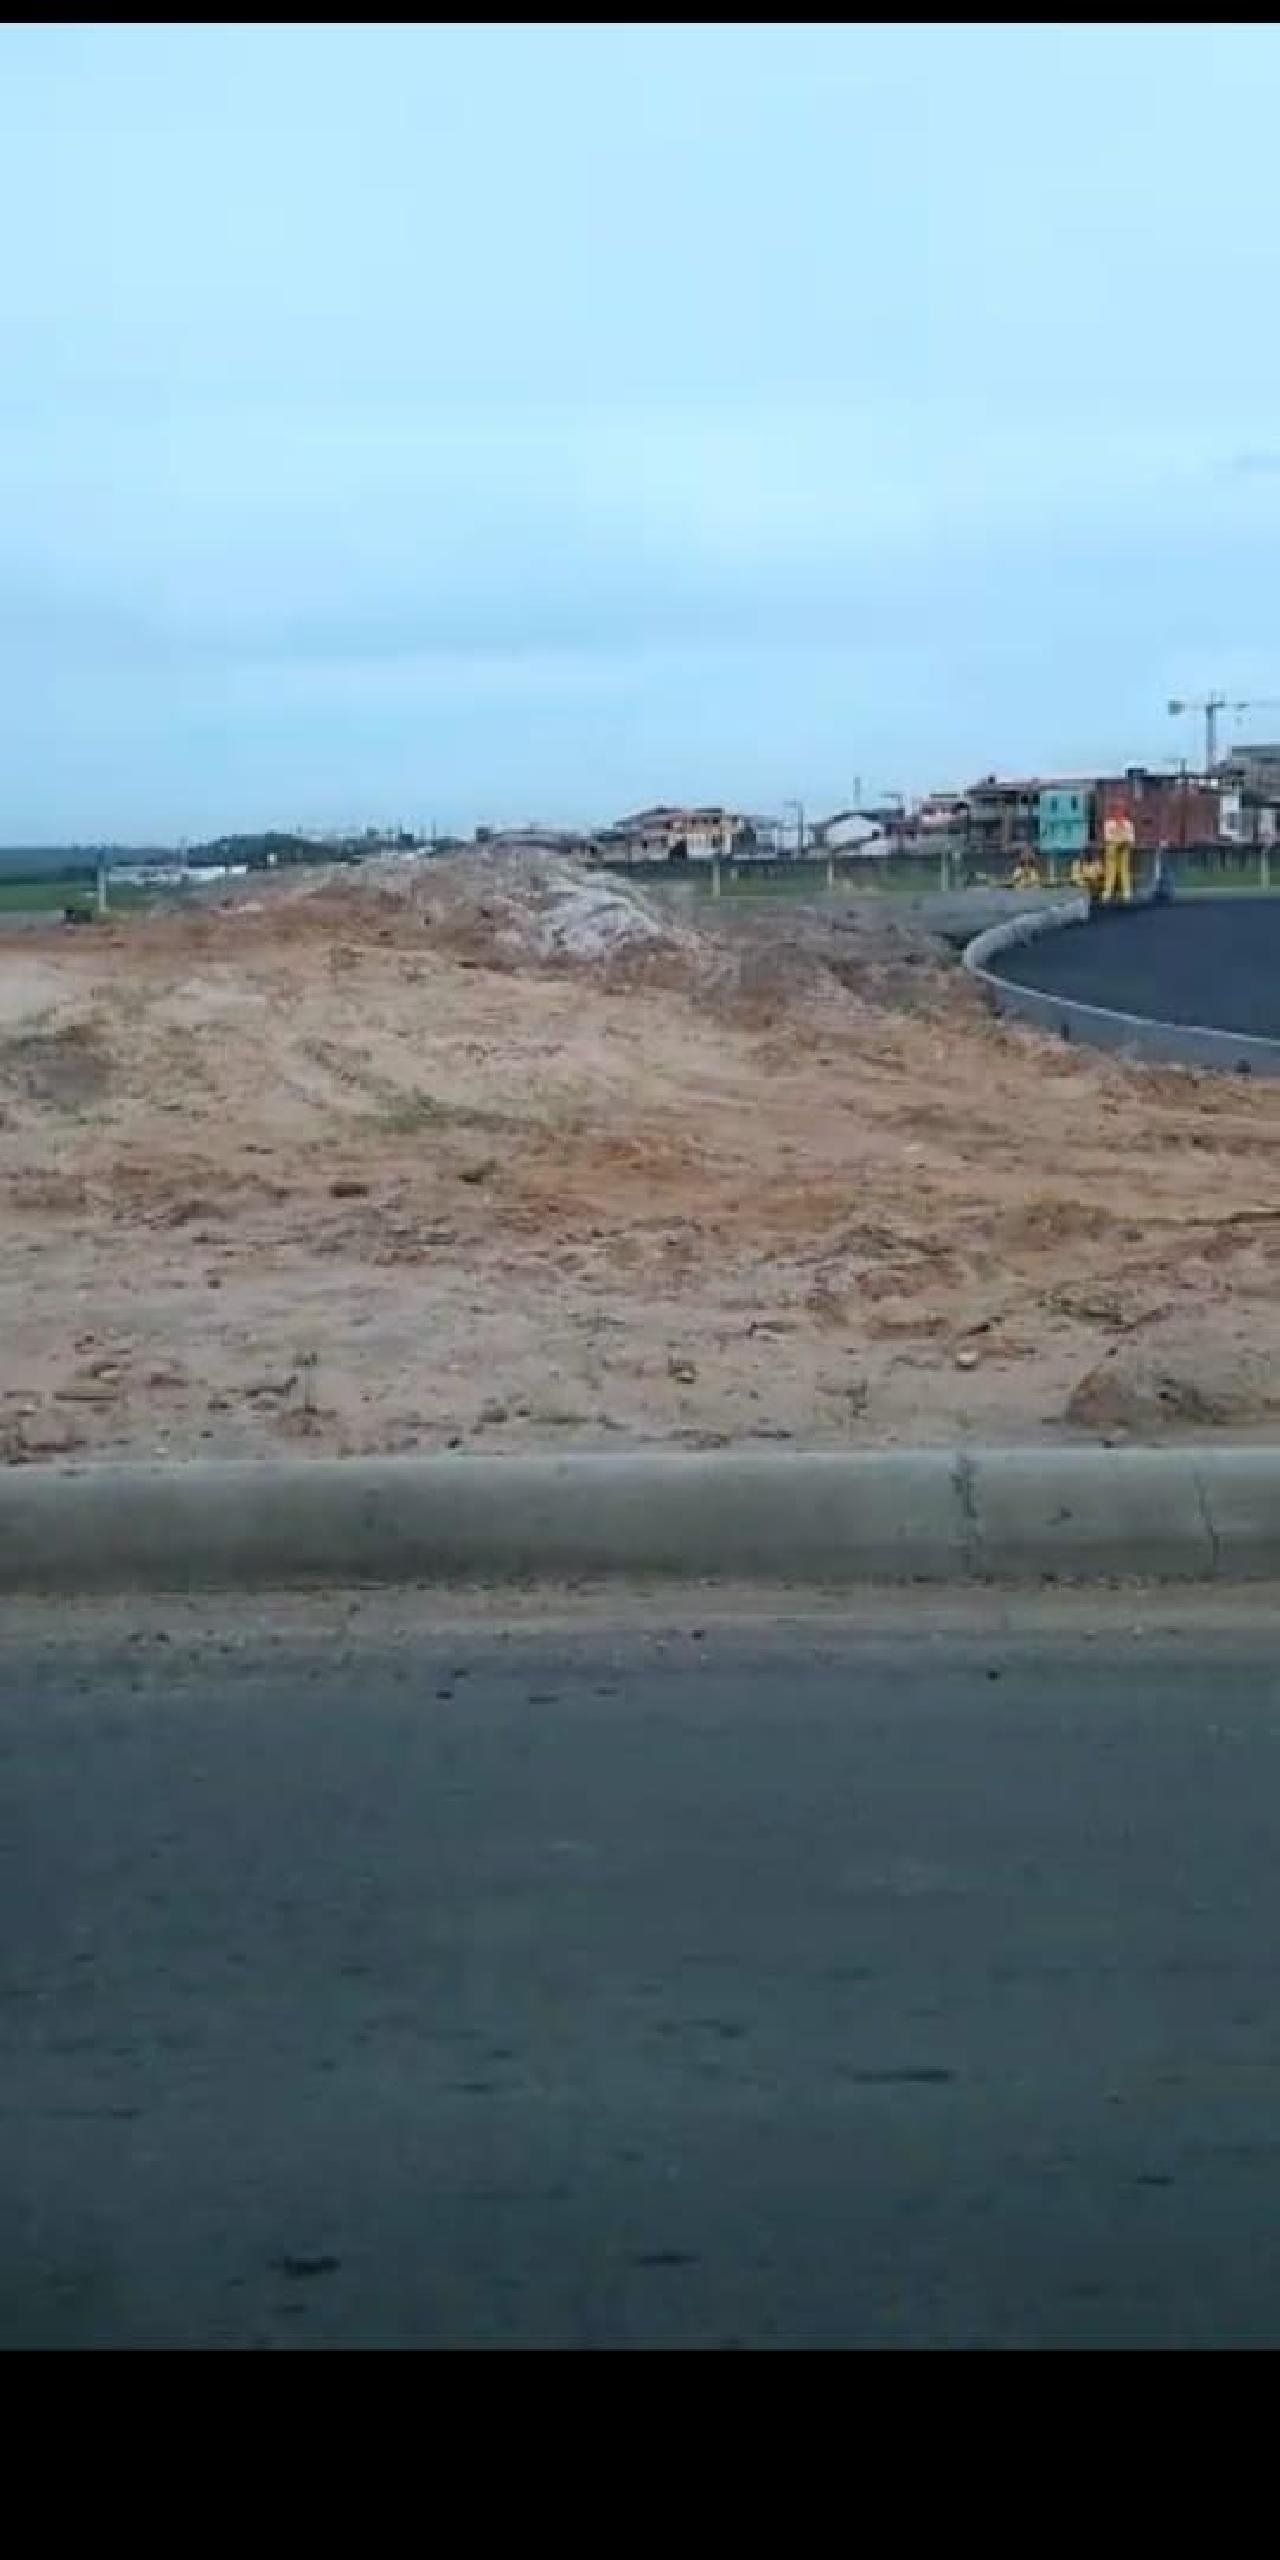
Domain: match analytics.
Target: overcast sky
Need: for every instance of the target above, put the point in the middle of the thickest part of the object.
(499, 422)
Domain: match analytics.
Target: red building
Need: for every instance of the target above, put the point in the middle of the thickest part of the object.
(1167, 809)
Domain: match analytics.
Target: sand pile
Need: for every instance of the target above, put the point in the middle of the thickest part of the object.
(518, 907)
(475, 1155)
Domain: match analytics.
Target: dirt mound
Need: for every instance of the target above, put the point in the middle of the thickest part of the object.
(516, 912)
(1151, 1388)
(759, 963)
(517, 908)
(497, 1151)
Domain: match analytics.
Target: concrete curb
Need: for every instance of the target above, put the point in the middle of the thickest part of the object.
(1012, 930)
(1096, 1026)
(929, 1516)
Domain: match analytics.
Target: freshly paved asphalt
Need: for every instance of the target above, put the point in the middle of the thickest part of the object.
(604, 1987)
(1212, 961)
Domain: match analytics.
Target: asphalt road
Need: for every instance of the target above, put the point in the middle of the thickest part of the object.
(1212, 961)
(384, 1983)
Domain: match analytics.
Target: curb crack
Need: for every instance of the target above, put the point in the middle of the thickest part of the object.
(1202, 1499)
(964, 1476)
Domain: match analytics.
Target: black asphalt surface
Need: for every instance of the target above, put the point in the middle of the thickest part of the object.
(1211, 961)
(773, 1989)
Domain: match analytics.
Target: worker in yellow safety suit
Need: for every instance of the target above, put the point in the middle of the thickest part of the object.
(1026, 874)
(1087, 873)
(1117, 845)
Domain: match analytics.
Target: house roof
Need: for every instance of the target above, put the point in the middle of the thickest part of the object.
(670, 813)
(1032, 782)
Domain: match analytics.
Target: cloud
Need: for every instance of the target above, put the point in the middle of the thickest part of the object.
(611, 408)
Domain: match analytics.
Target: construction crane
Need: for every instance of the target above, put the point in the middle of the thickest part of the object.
(1211, 704)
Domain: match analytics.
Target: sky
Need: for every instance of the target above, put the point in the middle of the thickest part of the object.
(484, 423)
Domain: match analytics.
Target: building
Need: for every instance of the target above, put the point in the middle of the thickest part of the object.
(942, 813)
(1058, 819)
(1003, 821)
(1255, 767)
(1064, 815)
(670, 833)
(1249, 783)
(848, 832)
(1167, 810)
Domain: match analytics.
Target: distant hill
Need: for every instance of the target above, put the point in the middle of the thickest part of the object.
(273, 845)
(59, 861)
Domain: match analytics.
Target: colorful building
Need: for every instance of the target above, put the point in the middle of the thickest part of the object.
(1063, 816)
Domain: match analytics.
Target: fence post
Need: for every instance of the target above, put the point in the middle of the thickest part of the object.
(1264, 866)
(715, 875)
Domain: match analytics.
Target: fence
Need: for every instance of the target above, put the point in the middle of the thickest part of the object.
(802, 876)
(944, 867)
(1224, 866)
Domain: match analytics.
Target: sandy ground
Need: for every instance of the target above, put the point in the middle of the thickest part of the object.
(430, 1160)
